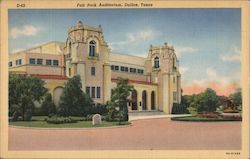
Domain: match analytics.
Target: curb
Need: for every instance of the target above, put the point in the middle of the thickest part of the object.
(39, 128)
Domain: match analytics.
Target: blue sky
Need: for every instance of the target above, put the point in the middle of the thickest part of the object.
(207, 41)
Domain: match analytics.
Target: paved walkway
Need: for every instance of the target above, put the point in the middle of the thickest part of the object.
(148, 134)
(136, 117)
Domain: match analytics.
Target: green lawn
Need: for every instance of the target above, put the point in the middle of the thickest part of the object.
(79, 124)
(199, 119)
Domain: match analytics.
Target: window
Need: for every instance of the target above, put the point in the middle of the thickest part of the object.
(93, 71)
(48, 62)
(69, 49)
(32, 61)
(19, 62)
(92, 46)
(98, 92)
(174, 67)
(112, 67)
(156, 62)
(69, 71)
(117, 68)
(133, 70)
(140, 71)
(88, 91)
(55, 62)
(175, 96)
(124, 69)
(10, 64)
(39, 61)
(92, 92)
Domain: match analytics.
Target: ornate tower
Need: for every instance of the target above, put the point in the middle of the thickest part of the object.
(87, 54)
(163, 67)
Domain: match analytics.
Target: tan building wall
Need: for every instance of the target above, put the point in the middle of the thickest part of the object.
(51, 51)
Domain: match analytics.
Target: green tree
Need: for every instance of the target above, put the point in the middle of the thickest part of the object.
(48, 107)
(237, 99)
(23, 92)
(117, 107)
(73, 101)
(206, 101)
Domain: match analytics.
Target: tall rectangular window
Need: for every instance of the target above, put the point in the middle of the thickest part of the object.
(10, 64)
(69, 71)
(32, 61)
(112, 67)
(48, 62)
(117, 68)
(88, 91)
(98, 92)
(122, 68)
(92, 92)
(140, 71)
(39, 61)
(18, 62)
(55, 62)
(93, 71)
(174, 96)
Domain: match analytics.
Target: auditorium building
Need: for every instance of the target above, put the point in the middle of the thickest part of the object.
(155, 77)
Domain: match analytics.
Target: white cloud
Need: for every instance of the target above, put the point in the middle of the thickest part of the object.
(213, 76)
(147, 34)
(234, 55)
(136, 37)
(223, 85)
(26, 30)
(184, 50)
(183, 69)
(211, 73)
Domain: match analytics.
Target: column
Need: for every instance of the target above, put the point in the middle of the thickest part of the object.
(106, 83)
(81, 71)
(165, 93)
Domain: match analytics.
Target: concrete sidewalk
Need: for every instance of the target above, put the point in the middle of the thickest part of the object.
(137, 117)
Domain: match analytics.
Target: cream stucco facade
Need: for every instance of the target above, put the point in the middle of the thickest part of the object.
(156, 78)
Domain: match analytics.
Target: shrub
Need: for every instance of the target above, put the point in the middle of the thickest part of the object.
(48, 107)
(73, 101)
(87, 118)
(60, 120)
(192, 110)
(28, 115)
(99, 109)
(179, 109)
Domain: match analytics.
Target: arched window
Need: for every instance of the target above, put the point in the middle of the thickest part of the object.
(156, 62)
(92, 48)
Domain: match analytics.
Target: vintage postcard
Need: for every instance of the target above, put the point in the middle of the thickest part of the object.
(125, 79)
